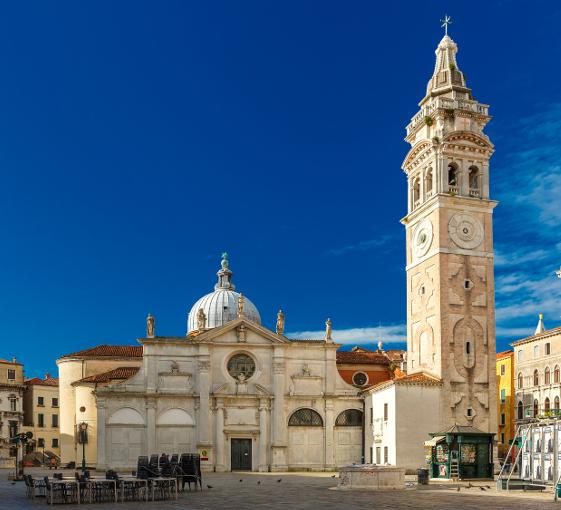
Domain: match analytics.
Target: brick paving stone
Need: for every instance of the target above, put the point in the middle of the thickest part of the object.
(301, 491)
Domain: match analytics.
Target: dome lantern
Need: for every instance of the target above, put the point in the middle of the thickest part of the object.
(222, 305)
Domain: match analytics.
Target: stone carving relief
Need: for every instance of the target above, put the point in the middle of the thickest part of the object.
(455, 398)
(175, 379)
(422, 291)
(426, 347)
(465, 231)
(241, 332)
(483, 398)
(468, 335)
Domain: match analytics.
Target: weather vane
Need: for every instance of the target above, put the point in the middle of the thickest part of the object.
(447, 20)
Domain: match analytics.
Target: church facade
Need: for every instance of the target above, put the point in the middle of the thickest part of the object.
(241, 395)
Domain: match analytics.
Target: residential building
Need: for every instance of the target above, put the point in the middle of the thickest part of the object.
(41, 409)
(11, 408)
(537, 366)
(505, 402)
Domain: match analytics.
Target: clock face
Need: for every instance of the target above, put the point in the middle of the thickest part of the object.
(422, 238)
(466, 231)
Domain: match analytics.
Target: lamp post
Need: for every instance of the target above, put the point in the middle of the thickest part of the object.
(83, 438)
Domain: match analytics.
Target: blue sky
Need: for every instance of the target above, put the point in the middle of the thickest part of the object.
(139, 140)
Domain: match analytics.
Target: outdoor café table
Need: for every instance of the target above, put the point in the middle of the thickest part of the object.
(132, 479)
(65, 481)
(93, 480)
(155, 481)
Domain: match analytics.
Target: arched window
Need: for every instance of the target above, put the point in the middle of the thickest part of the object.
(536, 408)
(416, 191)
(556, 374)
(349, 418)
(520, 381)
(536, 378)
(428, 183)
(546, 376)
(474, 178)
(546, 405)
(520, 410)
(453, 177)
(305, 418)
(556, 403)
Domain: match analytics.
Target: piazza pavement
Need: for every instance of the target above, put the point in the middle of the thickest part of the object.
(302, 491)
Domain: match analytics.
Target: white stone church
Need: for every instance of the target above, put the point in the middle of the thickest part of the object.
(243, 396)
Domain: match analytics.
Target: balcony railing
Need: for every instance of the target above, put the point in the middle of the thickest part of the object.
(446, 104)
(474, 192)
(454, 189)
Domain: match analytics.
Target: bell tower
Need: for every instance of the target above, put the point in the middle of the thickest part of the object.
(449, 236)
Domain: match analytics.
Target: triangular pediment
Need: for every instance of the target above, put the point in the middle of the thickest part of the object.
(223, 334)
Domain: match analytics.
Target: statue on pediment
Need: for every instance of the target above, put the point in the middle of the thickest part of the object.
(150, 326)
(201, 319)
(280, 323)
(240, 305)
(328, 329)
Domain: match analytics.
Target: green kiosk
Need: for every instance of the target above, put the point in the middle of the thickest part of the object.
(461, 452)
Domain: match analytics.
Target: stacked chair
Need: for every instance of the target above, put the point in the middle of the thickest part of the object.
(185, 468)
(190, 470)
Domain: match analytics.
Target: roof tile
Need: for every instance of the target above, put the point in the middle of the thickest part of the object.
(115, 351)
(120, 373)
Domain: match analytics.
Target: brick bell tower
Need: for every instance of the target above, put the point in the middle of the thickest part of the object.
(449, 236)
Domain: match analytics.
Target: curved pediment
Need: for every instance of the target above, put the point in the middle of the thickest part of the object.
(468, 138)
(419, 151)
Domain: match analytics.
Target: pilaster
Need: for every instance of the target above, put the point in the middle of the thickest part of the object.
(150, 405)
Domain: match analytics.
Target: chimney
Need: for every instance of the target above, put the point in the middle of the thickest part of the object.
(47, 376)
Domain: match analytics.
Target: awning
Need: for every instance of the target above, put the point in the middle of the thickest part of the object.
(434, 440)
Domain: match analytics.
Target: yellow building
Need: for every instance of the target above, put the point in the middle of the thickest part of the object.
(505, 401)
(41, 413)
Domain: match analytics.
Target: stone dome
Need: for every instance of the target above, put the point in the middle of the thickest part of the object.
(221, 306)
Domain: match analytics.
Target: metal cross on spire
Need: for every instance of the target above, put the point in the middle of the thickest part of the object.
(447, 20)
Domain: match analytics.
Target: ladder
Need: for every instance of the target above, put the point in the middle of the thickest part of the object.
(454, 469)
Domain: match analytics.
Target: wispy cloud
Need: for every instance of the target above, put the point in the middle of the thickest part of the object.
(528, 224)
(509, 256)
(368, 244)
(392, 333)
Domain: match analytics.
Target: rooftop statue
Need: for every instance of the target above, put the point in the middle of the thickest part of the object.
(150, 326)
(224, 262)
(240, 305)
(280, 323)
(328, 329)
(201, 319)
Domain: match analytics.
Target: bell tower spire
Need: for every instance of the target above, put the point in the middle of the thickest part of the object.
(450, 287)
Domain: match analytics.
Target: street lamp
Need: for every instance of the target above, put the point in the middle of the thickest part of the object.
(83, 439)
